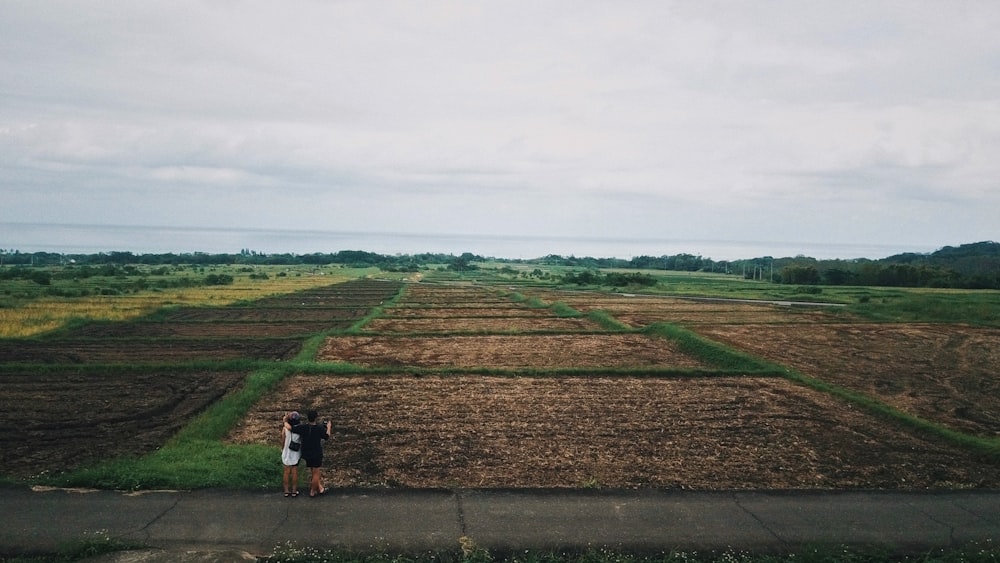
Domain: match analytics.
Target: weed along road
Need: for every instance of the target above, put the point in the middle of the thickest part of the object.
(410, 521)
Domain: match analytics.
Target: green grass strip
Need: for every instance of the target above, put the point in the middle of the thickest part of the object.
(726, 358)
(987, 446)
(535, 303)
(375, 312)
(712, 352)
(563, 310)
(516, 297)
(607, 321)
(310, 348)
(196, 457)
(530, 302)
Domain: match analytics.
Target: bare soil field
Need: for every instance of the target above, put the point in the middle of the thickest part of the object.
(639, 311)
(717, 432)
(485, 324)
(513, 351)
(207, 330)
(266, 314)
(425, 312)
(691, 433)
(132, 351)
(450, 293)
(355, 293)
(943, 373)
(61, 420)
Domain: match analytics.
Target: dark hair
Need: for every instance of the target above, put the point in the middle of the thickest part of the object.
(311, 415)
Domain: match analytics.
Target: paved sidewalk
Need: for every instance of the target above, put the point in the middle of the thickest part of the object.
(500, 520)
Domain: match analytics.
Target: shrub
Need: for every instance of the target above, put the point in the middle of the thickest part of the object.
(218, 279)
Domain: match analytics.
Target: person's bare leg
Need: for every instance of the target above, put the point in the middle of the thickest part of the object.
(314, 486)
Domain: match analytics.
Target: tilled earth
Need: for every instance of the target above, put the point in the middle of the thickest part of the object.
(944, 373)
(104, 390)
(67, 418)
(692, 433)
(74, 395)
(689, 432)
(507, 351)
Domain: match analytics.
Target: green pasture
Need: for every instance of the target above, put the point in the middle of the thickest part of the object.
(975, 307)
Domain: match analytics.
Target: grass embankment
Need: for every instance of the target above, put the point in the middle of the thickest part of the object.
(196, 457)
(726, 358)
(986, 446)
(312, 345)
(712, 352)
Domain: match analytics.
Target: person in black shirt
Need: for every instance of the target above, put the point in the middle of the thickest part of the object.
(312, 436)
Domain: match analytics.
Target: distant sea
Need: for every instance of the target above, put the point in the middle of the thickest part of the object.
(93, 239)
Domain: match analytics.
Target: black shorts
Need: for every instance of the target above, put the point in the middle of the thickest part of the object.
(314, 461)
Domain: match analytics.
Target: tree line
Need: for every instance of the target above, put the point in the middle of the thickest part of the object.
(969, 266)
(972, 266)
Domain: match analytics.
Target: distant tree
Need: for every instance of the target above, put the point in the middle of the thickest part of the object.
(586, 277)
(40, 277)
(800, 275)
(462, 263)
(837, 276)
(218, 279)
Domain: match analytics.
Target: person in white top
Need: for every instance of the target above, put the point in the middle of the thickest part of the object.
(290, 453)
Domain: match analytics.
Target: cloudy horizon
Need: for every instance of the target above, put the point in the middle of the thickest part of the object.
(837, 123)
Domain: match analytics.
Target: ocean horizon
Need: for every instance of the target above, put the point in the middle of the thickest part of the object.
(94, 239)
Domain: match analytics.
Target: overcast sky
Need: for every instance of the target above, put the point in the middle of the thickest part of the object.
(834, 122)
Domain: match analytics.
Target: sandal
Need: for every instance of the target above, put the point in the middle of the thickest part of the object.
(295, 493)
(288, 494)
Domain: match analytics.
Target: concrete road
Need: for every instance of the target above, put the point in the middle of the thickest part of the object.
(41, 520)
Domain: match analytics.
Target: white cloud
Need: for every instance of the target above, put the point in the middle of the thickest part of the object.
(558, 118)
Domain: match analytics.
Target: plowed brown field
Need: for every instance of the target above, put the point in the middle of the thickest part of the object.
(596, 428)
(485, 324)
(80, 397)
(943, 373)
(61, 420)
(515, 351)
(700, 433)
(639, 311)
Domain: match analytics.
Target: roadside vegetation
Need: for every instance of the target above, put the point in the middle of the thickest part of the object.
(467, 552)
(470, 553)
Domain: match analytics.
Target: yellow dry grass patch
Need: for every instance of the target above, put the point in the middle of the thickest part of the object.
(50, 313)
